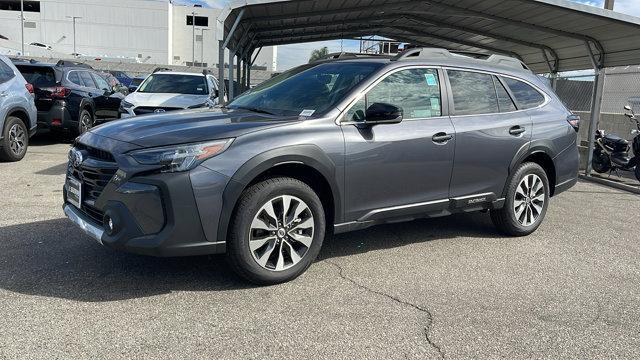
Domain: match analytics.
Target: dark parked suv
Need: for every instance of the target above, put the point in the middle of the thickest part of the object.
(70, 96)
(327, 147)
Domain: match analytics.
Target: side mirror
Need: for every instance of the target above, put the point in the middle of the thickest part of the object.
(381, 113)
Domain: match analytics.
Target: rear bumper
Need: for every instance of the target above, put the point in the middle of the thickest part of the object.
(155, 215)
(56, 118)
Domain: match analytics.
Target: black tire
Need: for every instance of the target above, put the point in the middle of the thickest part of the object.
(15, 140)
(637, 171)
(240, 256)
(601, 162)
(85, 121)
(505, 219)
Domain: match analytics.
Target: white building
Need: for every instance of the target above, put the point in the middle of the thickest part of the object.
(154, 32)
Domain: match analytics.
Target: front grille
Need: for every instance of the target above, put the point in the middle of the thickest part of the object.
(94, 172)
(142, 110)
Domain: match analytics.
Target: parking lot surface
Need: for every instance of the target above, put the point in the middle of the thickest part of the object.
(449, 287)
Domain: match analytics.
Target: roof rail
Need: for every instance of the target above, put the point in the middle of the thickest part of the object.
(73, 63)
(160, 69)
(423, 53)
(438, 53)
(347, 55)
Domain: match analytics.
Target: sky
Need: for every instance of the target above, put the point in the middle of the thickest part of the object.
(293, 55)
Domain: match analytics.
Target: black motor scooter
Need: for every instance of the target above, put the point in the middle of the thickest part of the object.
(611, 152)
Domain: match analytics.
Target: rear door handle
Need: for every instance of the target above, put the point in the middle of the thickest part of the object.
(517, 130)
(441, 138)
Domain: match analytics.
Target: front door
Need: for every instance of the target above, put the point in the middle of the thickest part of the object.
(395, 170)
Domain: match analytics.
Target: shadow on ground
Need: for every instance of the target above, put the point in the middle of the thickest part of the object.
(53, 259)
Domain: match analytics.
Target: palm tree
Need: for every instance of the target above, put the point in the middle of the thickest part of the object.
(318, 54)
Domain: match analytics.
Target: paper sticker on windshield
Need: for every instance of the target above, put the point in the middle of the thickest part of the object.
(431, 79)
(307, 112)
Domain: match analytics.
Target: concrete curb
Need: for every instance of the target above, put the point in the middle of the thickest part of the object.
(609, 183)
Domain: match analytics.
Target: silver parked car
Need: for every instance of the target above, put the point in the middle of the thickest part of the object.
(18, 114)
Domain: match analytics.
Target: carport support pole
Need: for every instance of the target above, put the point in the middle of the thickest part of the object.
(231, 66)
(222, 90)
(238, 72)
(596, 106)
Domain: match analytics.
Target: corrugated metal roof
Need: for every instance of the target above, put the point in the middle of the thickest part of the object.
(528, 29)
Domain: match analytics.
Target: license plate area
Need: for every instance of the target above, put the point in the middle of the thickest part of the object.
(74, 192)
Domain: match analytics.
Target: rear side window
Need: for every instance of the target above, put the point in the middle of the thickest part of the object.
(86, 79)
(6, 72)
(505, 103)
(473, 93)
(526, 96)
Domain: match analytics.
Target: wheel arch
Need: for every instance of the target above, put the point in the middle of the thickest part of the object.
(307, 163)
(541, 153)
(87, 104)
(21, 114)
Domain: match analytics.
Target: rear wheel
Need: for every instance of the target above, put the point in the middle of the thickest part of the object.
(601, 162)
(276, 231)
(526, 204)
(86, 121)
(15, 140)
(638, 172)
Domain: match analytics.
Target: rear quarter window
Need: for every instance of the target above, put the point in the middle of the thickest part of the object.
(6, 72)
(526, 96)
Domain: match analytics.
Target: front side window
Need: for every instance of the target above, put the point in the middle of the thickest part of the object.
(526, 96)
(473, 93)
(6, 72)
(310, 89)
(174, 84)
(102, 83)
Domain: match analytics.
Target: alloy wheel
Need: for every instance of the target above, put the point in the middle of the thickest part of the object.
(17, 139)
(85, 123)
(281, 233)
(529, 199)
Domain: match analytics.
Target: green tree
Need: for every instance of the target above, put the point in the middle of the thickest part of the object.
(318, 54)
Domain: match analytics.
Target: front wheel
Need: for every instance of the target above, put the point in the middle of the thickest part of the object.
(86, 122)
(15, 140)
(276, 231)
(527, 200)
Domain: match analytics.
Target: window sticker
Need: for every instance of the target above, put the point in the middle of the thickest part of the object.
(307, 112)
(431, 79)
(435, 103)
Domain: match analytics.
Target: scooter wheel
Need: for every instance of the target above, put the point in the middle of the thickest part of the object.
(601, 162)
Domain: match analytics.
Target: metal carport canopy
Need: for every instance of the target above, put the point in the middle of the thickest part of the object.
(533, 30)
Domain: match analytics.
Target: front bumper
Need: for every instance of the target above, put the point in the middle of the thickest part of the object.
(156, 215)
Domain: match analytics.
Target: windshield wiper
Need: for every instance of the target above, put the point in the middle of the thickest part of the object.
(260, 111)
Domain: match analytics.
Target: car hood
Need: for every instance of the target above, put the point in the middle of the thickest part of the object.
(188, 126)
(165, 100)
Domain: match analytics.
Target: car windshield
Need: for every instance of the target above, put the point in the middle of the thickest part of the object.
(307, 90)
(174, 84)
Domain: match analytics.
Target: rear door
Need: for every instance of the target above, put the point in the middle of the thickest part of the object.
(490, 131)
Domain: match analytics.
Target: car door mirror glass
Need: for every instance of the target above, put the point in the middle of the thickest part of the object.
(381, 113)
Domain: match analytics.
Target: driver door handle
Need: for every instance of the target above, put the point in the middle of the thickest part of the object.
(517, 130)
(441, 138)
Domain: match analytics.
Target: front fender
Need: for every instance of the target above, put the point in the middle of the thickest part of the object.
(309, 155)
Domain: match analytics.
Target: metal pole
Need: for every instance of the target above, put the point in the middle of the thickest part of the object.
(596, 105)
(193, 47)
(608, 4)
(238, 72)
(74, 18)
(202, 48)
(221, 88)
(22, 24)
(231, 56)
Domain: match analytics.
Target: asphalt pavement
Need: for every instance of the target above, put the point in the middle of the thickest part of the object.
(441, 288)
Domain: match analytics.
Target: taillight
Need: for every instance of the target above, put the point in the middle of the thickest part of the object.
(29, 88)
(574, 121)
(58, 92)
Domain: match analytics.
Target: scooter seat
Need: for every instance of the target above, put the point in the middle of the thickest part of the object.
(616, 142)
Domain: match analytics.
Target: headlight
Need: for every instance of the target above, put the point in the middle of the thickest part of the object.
(180, 157)
(125, 104)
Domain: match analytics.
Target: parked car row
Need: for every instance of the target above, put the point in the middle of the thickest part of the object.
(70, 98)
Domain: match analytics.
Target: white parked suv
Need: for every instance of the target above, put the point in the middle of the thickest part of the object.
(18, 113)
(165, 90)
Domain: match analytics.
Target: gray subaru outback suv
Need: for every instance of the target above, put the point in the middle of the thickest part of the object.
(328, 147)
